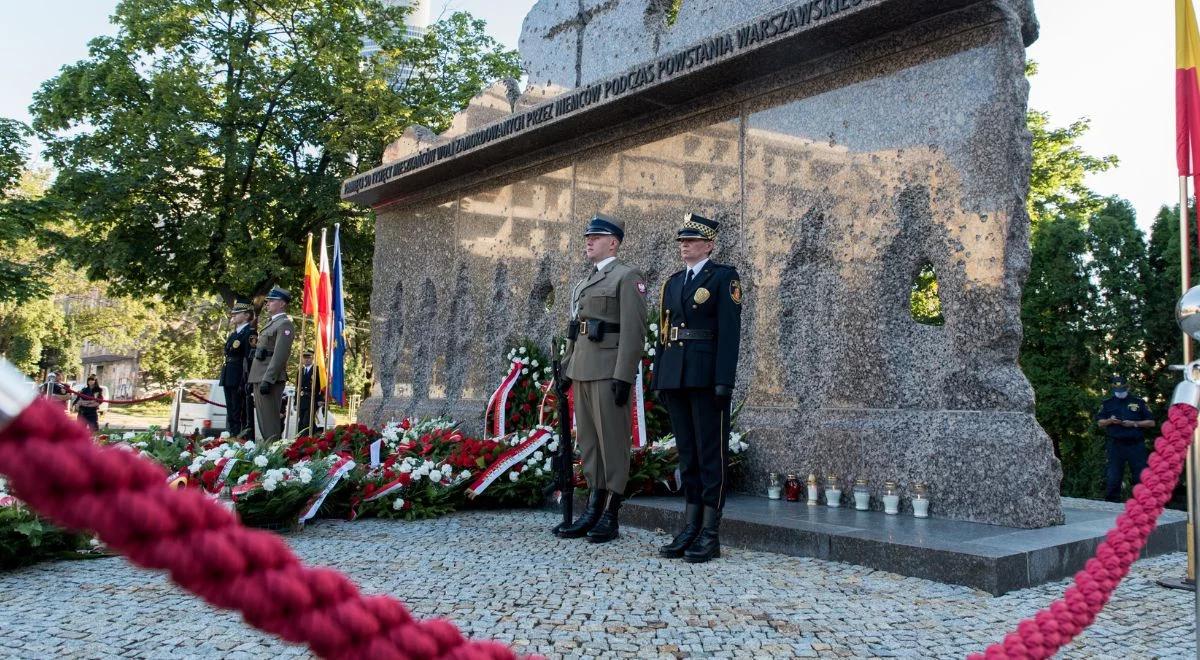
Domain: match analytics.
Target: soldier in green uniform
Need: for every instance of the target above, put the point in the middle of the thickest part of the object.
(268, 373)
(605, 337)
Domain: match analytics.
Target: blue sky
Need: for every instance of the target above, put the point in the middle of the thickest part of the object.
(1099, 59)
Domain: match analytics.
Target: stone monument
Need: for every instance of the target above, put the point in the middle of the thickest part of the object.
(844, 145)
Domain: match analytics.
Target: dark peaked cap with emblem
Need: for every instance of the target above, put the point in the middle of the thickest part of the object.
(241, 305)
(279, 293)
(697, 226)
(605, 225)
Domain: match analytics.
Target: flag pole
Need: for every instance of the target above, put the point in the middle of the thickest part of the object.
(299, 373)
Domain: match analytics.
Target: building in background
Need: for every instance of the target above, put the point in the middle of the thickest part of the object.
(417, 22)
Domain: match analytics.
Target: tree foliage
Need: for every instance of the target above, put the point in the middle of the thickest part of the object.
(200, 144)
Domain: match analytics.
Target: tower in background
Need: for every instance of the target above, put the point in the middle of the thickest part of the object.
(416, 22)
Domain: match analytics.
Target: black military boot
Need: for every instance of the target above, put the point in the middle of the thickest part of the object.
(586, 520)
(606, 528)
(692, 516)
(707, 545)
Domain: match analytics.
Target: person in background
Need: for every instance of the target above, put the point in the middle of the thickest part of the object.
(54, 388)
(1124, 419)
(88, 409)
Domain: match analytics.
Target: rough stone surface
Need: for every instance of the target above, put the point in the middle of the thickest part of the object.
(500, 575)
(836, 181)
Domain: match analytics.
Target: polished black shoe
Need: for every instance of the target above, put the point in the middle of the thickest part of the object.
(692, 518)
(708, 544)
(607, 528)
(586, 520)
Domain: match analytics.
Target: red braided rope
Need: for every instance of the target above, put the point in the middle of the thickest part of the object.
(208, 401)
(122, 402)
(1052, 628)
(54, 466)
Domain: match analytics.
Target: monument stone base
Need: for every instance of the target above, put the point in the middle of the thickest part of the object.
(990, 558)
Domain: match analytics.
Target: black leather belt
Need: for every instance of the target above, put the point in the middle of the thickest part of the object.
(678, 334)
(605, 326)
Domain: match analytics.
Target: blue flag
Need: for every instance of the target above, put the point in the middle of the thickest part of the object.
(337, 379)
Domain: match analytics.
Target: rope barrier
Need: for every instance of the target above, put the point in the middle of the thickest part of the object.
(1042, 635)
(208, 401)
(53, 466)
(122, 402)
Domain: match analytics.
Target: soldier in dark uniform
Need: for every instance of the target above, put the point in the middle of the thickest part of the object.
(700, 331)
(233, 372)
(309, 381)
(1124, 419)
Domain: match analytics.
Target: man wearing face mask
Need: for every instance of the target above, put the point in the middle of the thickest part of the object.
(1124, 419)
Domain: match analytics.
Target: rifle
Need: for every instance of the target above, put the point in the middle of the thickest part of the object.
(564, 461)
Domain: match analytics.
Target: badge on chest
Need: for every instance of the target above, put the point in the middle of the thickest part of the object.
(702, 295)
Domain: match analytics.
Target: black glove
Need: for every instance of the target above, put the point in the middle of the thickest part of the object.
(264, 387)
(723, 391)
(620, 391)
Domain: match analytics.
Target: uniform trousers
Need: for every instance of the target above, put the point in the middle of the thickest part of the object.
(235, 410)
(268, 407)
(1121, 452)
(700, 421)
(603, 431)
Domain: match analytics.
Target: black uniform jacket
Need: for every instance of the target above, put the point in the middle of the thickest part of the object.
(712, 303)
(237, 349)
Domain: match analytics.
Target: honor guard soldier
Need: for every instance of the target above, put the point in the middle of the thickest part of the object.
(233, 372)
(268, 373)
(700, 331)
(310, 381)
(605, 338)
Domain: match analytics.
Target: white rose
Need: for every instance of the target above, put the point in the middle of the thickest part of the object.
(553, 446)
(416, 476)
(141, 445)
(242, 479)
(405, 468)
(435, 476)
(651, 352)
(305, 476)
(548, 466)
(524, 372)
(653, 327)
(261, 461)
(224, 434)
(129, 435)
(185, 454)
(269, 485)
(513, 476)
(398, 504)
(646, 346)
(249, 446)
(537, 471)
(534, 363)
(537, 455)
(465, 474)
(229, 453)
(522, 350)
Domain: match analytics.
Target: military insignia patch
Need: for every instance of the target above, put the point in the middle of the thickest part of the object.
(641, 288)
(1133, 407)
(735, 292)
(237, 342)
(701, 296)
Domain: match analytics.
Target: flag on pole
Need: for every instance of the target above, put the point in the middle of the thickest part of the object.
(322, 318)
(337, 380)
(312, 285)
(1187, 87)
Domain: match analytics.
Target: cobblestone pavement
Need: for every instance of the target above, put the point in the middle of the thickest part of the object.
(501, 575)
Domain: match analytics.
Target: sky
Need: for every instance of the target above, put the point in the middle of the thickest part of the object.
(1107, 60)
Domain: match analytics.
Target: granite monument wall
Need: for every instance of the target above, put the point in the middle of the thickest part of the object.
(842, 156)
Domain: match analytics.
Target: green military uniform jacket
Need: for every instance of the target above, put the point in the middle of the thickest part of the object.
(276, 338)
(614, 294)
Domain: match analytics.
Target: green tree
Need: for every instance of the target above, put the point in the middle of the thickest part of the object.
(1164, 345)
(1057, 354)
(200, 144)
(1120, 270)
(21, 205)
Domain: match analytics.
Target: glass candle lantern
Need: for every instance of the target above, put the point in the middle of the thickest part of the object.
(774, 486)
(833, 491)
(791, 488)
(814, 492)
(891, 498)
(862, 495)
(920, 500)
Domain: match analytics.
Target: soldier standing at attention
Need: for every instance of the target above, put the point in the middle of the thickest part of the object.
(268, 374)
(233, 372)
(700, 331)
(604, 345)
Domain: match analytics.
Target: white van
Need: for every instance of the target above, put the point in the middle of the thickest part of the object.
(190, 414)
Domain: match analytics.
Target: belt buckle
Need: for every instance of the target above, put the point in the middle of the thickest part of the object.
(674, 336)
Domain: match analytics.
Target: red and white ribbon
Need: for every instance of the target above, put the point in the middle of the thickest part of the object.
(500, 397)
(510, 458)
(548, 396)
(639, 411)
(242, 489)
(386, 490)
(226, 468)
(336, 472)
